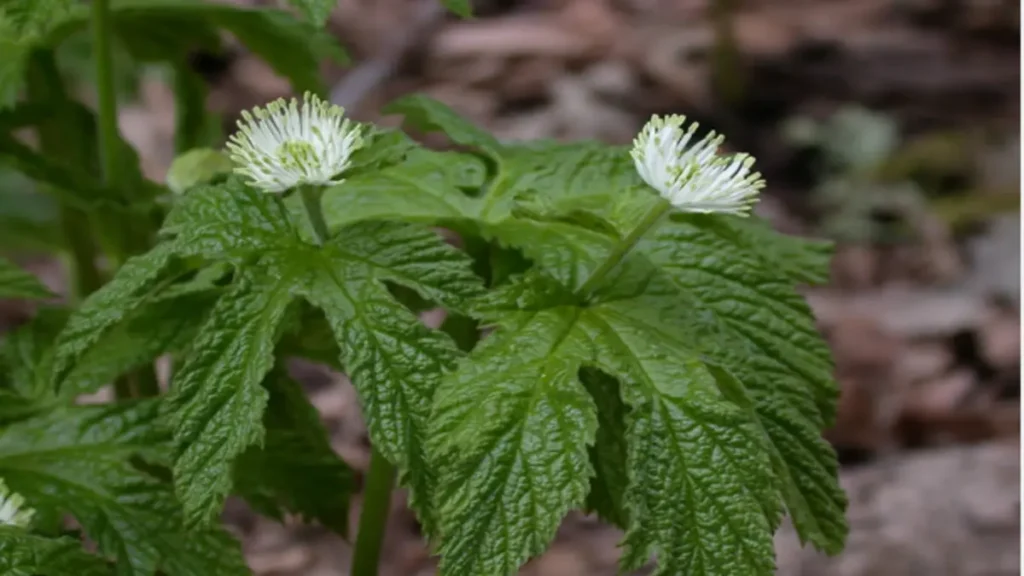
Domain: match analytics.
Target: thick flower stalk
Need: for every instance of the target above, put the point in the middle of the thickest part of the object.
(288, 144)
(693, 176)
(12, 508)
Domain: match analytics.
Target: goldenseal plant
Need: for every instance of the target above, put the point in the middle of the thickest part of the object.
(620, 335)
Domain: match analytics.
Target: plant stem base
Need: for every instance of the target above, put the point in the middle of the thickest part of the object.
(373, 519)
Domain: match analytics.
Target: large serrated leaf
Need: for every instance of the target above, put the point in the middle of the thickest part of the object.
(78, 460)
(295, 470)
(701, 295)
(686, 445)
(216, 406)
(393, 360)
(509, 436)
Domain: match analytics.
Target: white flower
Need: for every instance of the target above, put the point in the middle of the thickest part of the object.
(693, 176)
(287, 144)
(12, 508)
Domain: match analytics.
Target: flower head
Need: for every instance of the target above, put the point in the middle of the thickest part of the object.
(12, 508)
(288, 144)
(692, 176)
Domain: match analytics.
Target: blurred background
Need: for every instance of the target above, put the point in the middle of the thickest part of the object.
(889, 126)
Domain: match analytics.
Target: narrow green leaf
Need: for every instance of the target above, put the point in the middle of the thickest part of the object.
(295, 470)
(216, 406)
(24, 554)
(164, 325)
(133, 284)
(17, 283)
(509, 435)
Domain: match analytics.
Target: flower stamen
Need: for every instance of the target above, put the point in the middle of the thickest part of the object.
(287, 144)
(693, 177)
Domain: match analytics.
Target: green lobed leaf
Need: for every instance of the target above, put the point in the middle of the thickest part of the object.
(702, 496)
(78, 460)
(509, 437)
(25, 554)
(393, 360)
(216, 405)
(702, 297)
(17, 283)
(296, 470)
(765, 335)
(679, 428)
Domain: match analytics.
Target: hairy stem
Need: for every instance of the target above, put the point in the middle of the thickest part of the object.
(623, 248)
(314, 210)
(374, 516)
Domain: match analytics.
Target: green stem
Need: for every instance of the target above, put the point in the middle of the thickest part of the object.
(45, 83)
(314, 210)
(106, 97)
(106, 101)
(623, 248)
(374, 516)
